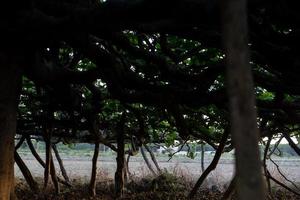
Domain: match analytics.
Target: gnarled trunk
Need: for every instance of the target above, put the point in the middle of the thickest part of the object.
(9, 81)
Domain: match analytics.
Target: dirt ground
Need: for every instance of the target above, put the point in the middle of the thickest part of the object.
(188, 171)
(80, 168)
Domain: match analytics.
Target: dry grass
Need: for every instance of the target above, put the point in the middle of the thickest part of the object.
(171, 185)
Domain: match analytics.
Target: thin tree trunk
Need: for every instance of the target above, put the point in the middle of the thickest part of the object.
(126, 176)
(127, 166)
(61, 164)
(250, 184)
(34, 153)
(20, 142)
(53, 175)
(92, 186)
(147, 161)
(202, 158)
(212, 165)
(49, 167)
(26, 173)
(265, 164)
(119, 175)
(48, 158)
(153, 158)
(42, 163)
(9, 88)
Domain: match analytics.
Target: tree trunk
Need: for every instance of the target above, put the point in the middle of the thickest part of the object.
(43, 164)
(212, 166)
(9, 85)
(242, 101)
(92, 186)
(47, 139)
(53, 175)
(202, 158)
(61, 164)
(119, 175)
(20, 142)
(147, 161)
(26, 173)
(127, 165)
(34, 153)
(153, 158)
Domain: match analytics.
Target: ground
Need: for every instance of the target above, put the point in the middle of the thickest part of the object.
(181, 174)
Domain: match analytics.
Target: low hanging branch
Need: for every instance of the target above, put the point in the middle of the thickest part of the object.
(212, 165)
(275, 146)
(26, 173)
(178, 150)
(281, 184)
(280, 172)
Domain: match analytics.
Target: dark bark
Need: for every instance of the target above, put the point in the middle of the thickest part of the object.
(42, 163)
(26, 173)
(250, 184)
(92, 186)
(202, 158)
(61, 164)
(147, 161)
(290, 182)
(265, 163)
(49, 165)
(291, 143)
(126, 174)
(34, 153)
(9, 84)
(53, 175)
(20, 142)
(127, 167)
(282, 184)
(152, 157)
(127, 164)
(47, 139)
(119, 175)
(212, 165)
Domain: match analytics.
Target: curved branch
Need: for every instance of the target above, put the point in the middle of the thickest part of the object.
(291, 143)
(212, 165)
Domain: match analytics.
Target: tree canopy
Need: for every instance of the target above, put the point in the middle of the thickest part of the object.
(153, 69)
